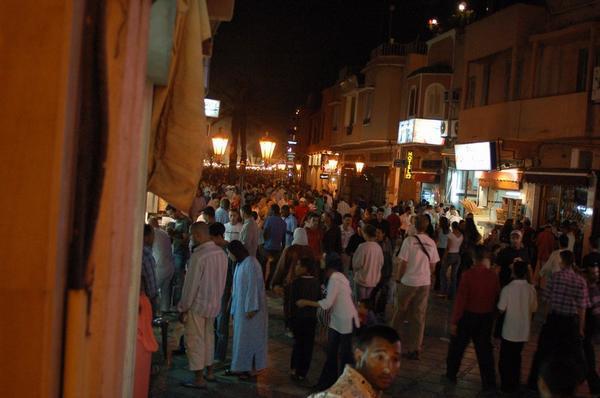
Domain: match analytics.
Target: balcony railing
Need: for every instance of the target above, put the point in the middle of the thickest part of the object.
(397, 49)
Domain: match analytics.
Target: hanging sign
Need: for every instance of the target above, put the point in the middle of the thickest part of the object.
(409, 162)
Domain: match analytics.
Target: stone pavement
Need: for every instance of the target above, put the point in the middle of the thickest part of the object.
(417, 378)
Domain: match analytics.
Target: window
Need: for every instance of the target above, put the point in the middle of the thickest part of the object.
(471, 92)
(434, 101)
(485, 86)
(582, 63)
(368, 107)
(350, 110)
(412, 101)
(336, 117)
(507, 71)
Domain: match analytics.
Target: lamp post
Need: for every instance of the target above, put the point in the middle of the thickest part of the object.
(267, 146)
(219, 142)
(360, 165)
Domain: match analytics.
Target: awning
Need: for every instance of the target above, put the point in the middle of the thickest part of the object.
(508, 180)
(424, 176)
(565, 177)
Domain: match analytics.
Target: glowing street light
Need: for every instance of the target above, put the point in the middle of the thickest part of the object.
(331, 165)
(462, 6)
(219, 142)
(267, 146)
(298, 167)
(360, 164)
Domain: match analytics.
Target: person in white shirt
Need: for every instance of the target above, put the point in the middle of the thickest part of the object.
(249, 235)
(165, 264)
(343, 208)
(518, 301)
(201, 302)
(222, 213)
(367, 263)
(344, 318)
(234, 227)
(451, 262)
(552, 265)
(418, 256)
(453, 217)
(405, 222)
(346, 231)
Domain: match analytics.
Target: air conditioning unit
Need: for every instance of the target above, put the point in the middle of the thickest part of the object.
(452, 95)
(450, 130)
(596, 85)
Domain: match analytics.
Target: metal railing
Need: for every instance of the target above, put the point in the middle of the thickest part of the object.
(397, 49)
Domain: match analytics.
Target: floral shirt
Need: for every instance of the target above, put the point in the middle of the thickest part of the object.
(351, 384)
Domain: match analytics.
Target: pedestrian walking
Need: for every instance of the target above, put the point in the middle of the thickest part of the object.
(518, 301)
(367, 263)
(418, 256)
(473, 318)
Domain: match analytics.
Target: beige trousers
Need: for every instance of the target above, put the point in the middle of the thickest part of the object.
(199, 341)
(411, 305)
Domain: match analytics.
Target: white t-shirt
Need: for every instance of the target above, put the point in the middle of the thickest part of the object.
(519, 300)
(232, 232)
(454, 243)
(418, 269)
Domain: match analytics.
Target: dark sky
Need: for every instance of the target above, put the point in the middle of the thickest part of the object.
(286, 49)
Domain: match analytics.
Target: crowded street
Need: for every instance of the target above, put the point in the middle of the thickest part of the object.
(300, 199)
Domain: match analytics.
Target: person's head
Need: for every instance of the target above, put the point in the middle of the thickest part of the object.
(527, 222)
(274, 210)
(173, 212)
(255, 215)
(312, 221)
(300, 237)
(516, 238)
(444, 224)
(559, 378)
(305, 266)
(285, 211)
(333, 264)
(153, 221)
(234, 217)
(380, 213)
(237, 251)
(200, 232)
(208, 214)
(563, 241)
(225, 203)
(148, 235)
(380, 234)
(407, 210)
(328, 219)
(566, 258)
(369, 232)
(455, 227)
(422, 223)
(246, 212)
(520, 269)
(482, 256)
(368, 214)
(377, 355)
(217, 232)
(303, 202)
(347, 220)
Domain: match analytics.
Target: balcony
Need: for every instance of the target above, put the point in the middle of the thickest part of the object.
(559, 116)
(399, 50)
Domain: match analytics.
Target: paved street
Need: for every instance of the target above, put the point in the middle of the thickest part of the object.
(417, 378)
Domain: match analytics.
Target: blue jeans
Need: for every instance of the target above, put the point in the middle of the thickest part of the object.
(339, 354)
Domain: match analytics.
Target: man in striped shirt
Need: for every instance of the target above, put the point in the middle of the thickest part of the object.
(567, 297)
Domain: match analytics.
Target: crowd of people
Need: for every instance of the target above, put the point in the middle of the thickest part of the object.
(365, 276)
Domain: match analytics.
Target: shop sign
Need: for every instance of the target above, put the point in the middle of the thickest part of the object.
(420, 131)
(409, 162)
(478, 156)
(211, 107)
(324, 176)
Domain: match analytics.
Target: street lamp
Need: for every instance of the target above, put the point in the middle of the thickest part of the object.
(360, 164)
(267, 146)
(331, 165)
(462, 6)
(298, 167)
(219, 142)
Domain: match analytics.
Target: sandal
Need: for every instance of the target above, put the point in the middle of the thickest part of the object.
(229, 373)
(193, 384)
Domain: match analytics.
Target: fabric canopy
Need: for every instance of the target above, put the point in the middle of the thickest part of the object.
(179, 138)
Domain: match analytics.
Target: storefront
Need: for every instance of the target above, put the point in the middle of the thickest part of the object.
(499, 195)
(324, 171)
(566, 195)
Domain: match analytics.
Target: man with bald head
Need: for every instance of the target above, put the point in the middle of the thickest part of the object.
(201, 302)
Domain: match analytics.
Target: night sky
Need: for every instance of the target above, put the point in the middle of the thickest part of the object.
(288, 49)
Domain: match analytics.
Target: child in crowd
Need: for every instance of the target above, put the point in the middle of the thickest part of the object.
(365, 314)
(303, 319)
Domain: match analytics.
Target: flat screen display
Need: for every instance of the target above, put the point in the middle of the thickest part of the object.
(478, 156)
(420, 131)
